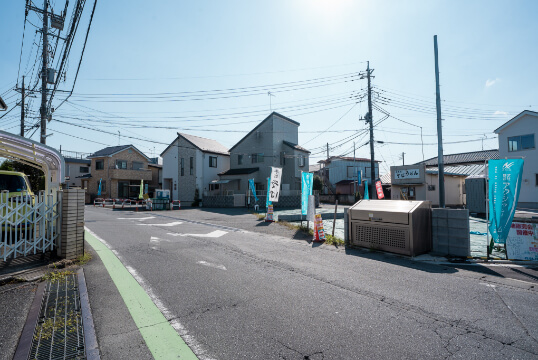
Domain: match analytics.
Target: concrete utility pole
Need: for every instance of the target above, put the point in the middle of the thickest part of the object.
(327, 151)
(355, 171)
(440, 160)
(371, 120)
(22, 108)
(403, 158)
(43, 109)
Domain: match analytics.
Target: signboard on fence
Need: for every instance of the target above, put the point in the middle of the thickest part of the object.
(522, 241)
(274, 184)
(269, 214)
(319, 232)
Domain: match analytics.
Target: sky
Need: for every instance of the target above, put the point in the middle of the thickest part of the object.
(151, 69)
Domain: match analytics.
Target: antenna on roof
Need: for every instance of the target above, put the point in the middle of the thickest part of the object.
(270, 94)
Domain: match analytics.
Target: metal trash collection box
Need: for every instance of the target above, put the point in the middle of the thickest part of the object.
(398, 226)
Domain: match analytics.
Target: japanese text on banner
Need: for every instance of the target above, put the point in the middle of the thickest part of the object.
(306, 190)
(274, 184)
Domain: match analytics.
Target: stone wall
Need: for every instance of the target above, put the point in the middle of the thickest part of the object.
(451, 232)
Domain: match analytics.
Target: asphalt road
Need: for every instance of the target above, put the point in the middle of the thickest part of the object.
(237, 291)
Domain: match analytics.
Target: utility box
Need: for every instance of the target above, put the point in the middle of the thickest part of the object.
(51, 76)
(475, 188)
(397, 226)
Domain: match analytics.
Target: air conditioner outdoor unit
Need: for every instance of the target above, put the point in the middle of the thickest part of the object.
(398, 226)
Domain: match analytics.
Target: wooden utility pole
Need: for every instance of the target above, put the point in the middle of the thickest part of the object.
(440, 160)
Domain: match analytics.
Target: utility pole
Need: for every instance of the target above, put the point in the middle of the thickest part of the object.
(371, 120)
(45, 55)
(327, 151)
(403, 158)
(440, 160)
(354, 171)
(22, 108)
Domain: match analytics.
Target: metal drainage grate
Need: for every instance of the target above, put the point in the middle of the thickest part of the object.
(59, 332)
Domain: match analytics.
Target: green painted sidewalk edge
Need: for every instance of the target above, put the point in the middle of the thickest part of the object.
(161, 338)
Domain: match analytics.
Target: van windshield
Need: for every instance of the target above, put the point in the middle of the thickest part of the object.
(12, 183)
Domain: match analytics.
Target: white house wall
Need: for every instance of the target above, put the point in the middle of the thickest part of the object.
(527, 124)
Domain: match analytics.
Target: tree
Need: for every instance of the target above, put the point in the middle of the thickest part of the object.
(35, 176)
(318, 185)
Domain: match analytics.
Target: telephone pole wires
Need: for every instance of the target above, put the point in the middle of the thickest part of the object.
(440, 160)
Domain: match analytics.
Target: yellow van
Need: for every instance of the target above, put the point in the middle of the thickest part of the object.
(19, 192)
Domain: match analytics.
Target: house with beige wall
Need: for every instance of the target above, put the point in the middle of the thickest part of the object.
(120, 169)
(192, 163)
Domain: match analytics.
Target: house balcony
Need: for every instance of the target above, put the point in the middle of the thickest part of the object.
(128, 174)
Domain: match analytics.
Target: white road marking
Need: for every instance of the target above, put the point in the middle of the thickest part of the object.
(145, 218)
(169, 224)
(154, 239)
(205, 263)
(171, 317)
(213, 234)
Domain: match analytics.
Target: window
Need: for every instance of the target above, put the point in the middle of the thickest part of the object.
(523, 142)
(257, 158)
(367, 173)
(191, 166)
(84, 170)
(431, 187)
(351, 172)
(182, 167)
(121, 164)
(123, 189)
(138, 165)
(213, 161)
(240, 159)
(301, 160)
(214, 187)
(99, 165)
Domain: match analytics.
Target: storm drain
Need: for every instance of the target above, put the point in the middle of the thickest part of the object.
(59, 333)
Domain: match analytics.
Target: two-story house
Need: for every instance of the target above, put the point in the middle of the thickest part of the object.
(517, 139)
(120, 169)
(76, 169)
(340, 173)
(272, 143)
(192, 163)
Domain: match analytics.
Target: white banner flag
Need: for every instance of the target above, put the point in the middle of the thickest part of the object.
(274, 183)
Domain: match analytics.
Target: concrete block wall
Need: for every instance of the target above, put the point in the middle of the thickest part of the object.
(451, 232)
(218, 201)
(71, 242)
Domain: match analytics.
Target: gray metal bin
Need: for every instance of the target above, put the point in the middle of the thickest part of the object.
(398, 226)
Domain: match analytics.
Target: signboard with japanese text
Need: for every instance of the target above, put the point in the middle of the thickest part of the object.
(379, 189)
(274, 184)
(504, 185)
(522, 241)
(408, 174)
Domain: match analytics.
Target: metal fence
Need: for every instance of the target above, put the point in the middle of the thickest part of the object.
(30, 224)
